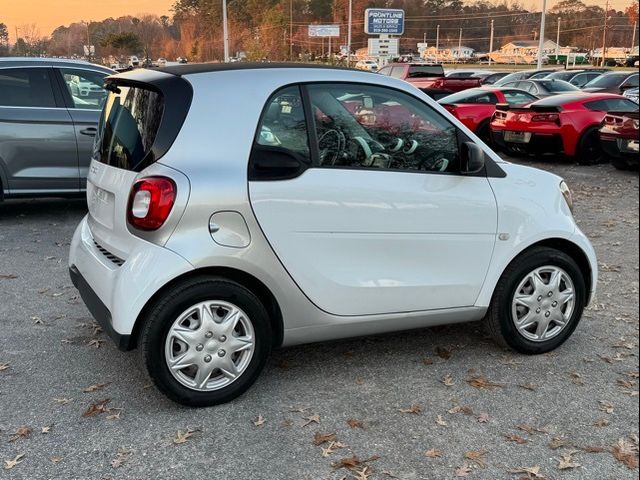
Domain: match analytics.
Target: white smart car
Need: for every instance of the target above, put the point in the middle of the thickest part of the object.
(228, 216)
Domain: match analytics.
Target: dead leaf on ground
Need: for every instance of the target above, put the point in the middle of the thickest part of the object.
(9, 464)
(97, 408)
(558, 442)
(529, 386)
(4, 366)
(311, 419)
(259, 421)
(182, 437)
(332, 448)
(320, 438)
(433, 453)
(465, 409)
(440, 421)
(463, 471)
(477, 457)
(483, 418)
(95, 387)
(444, 353)
(590, 449)
(606, 407)
(626, 452)
(478, 381)
(531, 430)
(95, 343)
(416, 409)
(516, 438)
(62, 401)
(567, 462)
(601, 422)
(8, 276)
(354, 423)
(56, 459)
(532, 472)
(447, 380)
(46, 429)
(120, 457)
(21, 432)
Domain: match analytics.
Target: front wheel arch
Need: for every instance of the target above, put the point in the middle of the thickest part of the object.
(256, 286)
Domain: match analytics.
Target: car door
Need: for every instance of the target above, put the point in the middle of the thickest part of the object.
(359, 192)
(37, 142)
(85, 96)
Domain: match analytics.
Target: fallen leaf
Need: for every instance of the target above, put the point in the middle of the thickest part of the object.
(483, 418)
(320, 438)
(95, 388)
(8, 276)
(433, 453)
(532, 472)
(120, 458)
(62, 401)
(447, 380)
(440, 421)
(56, 459)
(21, 432)
(259, 421)
(558, 442)
(114, 416)
(458, 409)
(463, 471)
(601, 422)
(567, 462)
(427, 361)
(9, 464)
(606, 407)
(95, 343)
(443, 353)
(333, 446)
(46, 429)
(363, 474)
(353, 423)
(311, 419)
(4, 366)
(477, 457)
(576, 378)
(595, 449)
(516, 438)
(626, 453)
(182, 437)
(531, 430)
(529, 386)
(416, 409)
(96, 408)
(478, 381)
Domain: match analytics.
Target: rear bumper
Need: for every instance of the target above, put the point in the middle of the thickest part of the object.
(116, 290)
(98, 310)
(621, 148)
(538, 144)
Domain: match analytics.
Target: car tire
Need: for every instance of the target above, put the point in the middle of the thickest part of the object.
(164, 329)
(503, 321)
(589, 150)
(483, 132)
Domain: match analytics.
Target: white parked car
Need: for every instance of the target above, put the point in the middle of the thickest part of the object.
(359, 206)
(368, 65)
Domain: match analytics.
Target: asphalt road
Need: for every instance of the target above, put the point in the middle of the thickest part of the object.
(573, 405)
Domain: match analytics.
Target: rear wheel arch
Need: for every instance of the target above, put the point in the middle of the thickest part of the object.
(256, 286)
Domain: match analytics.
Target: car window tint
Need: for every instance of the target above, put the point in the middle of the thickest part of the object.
(632, 81)
(370, 127)
(620, 105)
(26, 87)
(597, 105)
(515, 97)
(283, 123)
(85, 88)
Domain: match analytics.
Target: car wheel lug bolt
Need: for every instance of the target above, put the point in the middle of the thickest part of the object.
(221, 353)
(555, 304)
(199, 347)
(207, 358)
(551, 294)
(547, 314)
(223, 338)
(537, 310)
(208, 334)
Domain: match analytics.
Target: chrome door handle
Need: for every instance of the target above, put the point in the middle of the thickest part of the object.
(91, 131)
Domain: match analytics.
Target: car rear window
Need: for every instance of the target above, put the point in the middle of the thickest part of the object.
(607, 80)
(417, 71)
(559, 86)
(128, 127)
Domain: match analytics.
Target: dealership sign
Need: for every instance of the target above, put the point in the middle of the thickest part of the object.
(324, 30)
(384, 21)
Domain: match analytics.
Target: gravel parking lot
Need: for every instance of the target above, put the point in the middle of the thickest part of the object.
(430, 404)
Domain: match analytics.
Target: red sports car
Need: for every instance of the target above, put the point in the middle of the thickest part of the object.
(619, 137)
(563, 124)
(475, 107)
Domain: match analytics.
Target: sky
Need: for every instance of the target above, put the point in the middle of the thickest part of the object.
(50, 14)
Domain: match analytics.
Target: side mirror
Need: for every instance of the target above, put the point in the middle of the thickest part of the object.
(472, 158)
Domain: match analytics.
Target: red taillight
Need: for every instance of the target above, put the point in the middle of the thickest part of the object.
(546, 117)
(150, 202)
(613, 120)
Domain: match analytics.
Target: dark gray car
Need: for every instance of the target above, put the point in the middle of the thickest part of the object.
(543, 87)
(49, 113)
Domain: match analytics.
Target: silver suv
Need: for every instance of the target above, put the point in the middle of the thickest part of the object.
(49, 112)
(235, 208)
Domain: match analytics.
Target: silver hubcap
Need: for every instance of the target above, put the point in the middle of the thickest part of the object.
(209, 345)
(543, 303)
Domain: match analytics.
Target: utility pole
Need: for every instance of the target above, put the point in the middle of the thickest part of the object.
(604, 33)
(460, 45)
(633, 35)
(491, 42)
(541, 40)
(225, 31)
(558, 39)
(291, 30)
(437, 42)
(349, 35)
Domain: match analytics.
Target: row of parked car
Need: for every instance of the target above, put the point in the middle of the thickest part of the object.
(588, 115)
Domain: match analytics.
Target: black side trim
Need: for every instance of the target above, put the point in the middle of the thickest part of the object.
(98, 309)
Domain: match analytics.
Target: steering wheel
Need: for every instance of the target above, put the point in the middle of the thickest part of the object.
(434, 162)
(331, 144)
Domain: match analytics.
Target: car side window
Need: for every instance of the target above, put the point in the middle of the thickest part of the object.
(385, 71)
(283, 124)
(630, 82)
(370, 127)
(26, 87)
(397, 72)
(516, 97)
(85, 87)
(597, 105)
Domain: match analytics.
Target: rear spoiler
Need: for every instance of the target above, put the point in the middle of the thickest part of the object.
(504, 107)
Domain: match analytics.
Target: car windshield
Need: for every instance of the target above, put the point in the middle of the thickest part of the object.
(607, 80)
(417, 71)
(461, 97)
(558, 86)
(510, 78)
